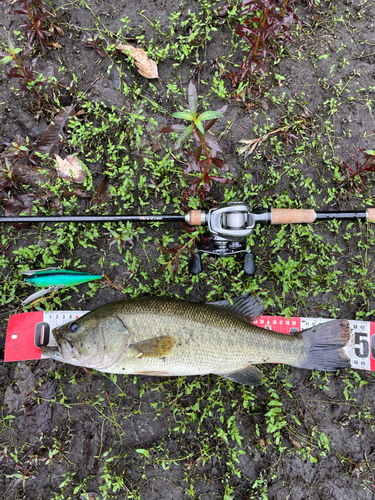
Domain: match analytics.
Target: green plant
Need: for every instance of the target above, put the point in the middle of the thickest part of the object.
(275, 17)
(95, 43)
(38, 15)
(29, 80)
(19, 149)
(204, 155)
(367, 166)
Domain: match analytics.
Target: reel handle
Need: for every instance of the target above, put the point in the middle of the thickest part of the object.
(195, 264)
(249, 267)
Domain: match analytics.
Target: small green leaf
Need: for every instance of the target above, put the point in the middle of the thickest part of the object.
(184, 136)
(370, 152)
(193, 98)
(210, 115)
(199, 125)
(146, 453)
(184, 115)
(5, 60)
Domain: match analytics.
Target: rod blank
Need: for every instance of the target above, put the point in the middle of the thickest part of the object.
(94, 218)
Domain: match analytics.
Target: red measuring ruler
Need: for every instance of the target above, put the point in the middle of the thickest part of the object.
(22, 329)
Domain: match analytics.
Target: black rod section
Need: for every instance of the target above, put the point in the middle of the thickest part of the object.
(353, 215)
(95, 218)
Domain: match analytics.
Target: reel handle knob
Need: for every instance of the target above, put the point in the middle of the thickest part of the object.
(195, 264)
(249, 264)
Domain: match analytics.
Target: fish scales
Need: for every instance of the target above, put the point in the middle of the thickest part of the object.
(162, 336)
(207, 338)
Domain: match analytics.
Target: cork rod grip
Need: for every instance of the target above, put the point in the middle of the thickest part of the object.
(195, 217)
(292, 216)
(371, 214)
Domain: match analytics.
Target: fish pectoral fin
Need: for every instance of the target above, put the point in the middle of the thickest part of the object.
(156, 347)
(248, 375)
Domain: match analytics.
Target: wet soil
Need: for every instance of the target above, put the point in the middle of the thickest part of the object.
(69, 433)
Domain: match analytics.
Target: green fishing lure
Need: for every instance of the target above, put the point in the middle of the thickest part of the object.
(58, 277)
(54, 278)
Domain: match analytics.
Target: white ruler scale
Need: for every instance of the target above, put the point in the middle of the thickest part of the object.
(23, 327)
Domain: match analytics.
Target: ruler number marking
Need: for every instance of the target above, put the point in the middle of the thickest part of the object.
(363, 350)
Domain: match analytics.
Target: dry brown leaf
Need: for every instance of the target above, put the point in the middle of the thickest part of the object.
(19, 203)
(247, 146)
(254, 143)
(70, 169)
(102, 195)
(146, 66)
(51, 141)
(28, 174)
(92, 444)
(59, 30)
(80, 193)
(21, 393)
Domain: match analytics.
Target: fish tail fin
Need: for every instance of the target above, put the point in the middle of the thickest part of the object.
(324, 344)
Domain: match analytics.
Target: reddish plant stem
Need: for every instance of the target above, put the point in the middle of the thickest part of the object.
(21, 66)
(30, 15)
(177, 254)
(265, 15)
(283, 9)
(207, 155)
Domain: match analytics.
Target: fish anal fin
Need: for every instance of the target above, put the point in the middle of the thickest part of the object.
(156, 347)
(248, 375)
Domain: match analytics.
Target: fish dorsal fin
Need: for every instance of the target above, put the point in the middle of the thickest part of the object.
(156, 347)
(248, 375)
(246, 305)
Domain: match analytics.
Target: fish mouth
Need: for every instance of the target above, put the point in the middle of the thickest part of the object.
(64, 352)
(52, 352)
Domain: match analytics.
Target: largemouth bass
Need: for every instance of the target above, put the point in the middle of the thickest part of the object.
(171, 337)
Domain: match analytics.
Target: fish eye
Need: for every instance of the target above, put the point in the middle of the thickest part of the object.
(73, 327)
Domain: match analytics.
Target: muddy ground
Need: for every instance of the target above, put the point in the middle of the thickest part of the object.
(70, 433)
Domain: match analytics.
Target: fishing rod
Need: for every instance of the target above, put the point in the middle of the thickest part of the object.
(229, 225)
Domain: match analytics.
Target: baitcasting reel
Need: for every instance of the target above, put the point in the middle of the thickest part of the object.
(229, 224)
